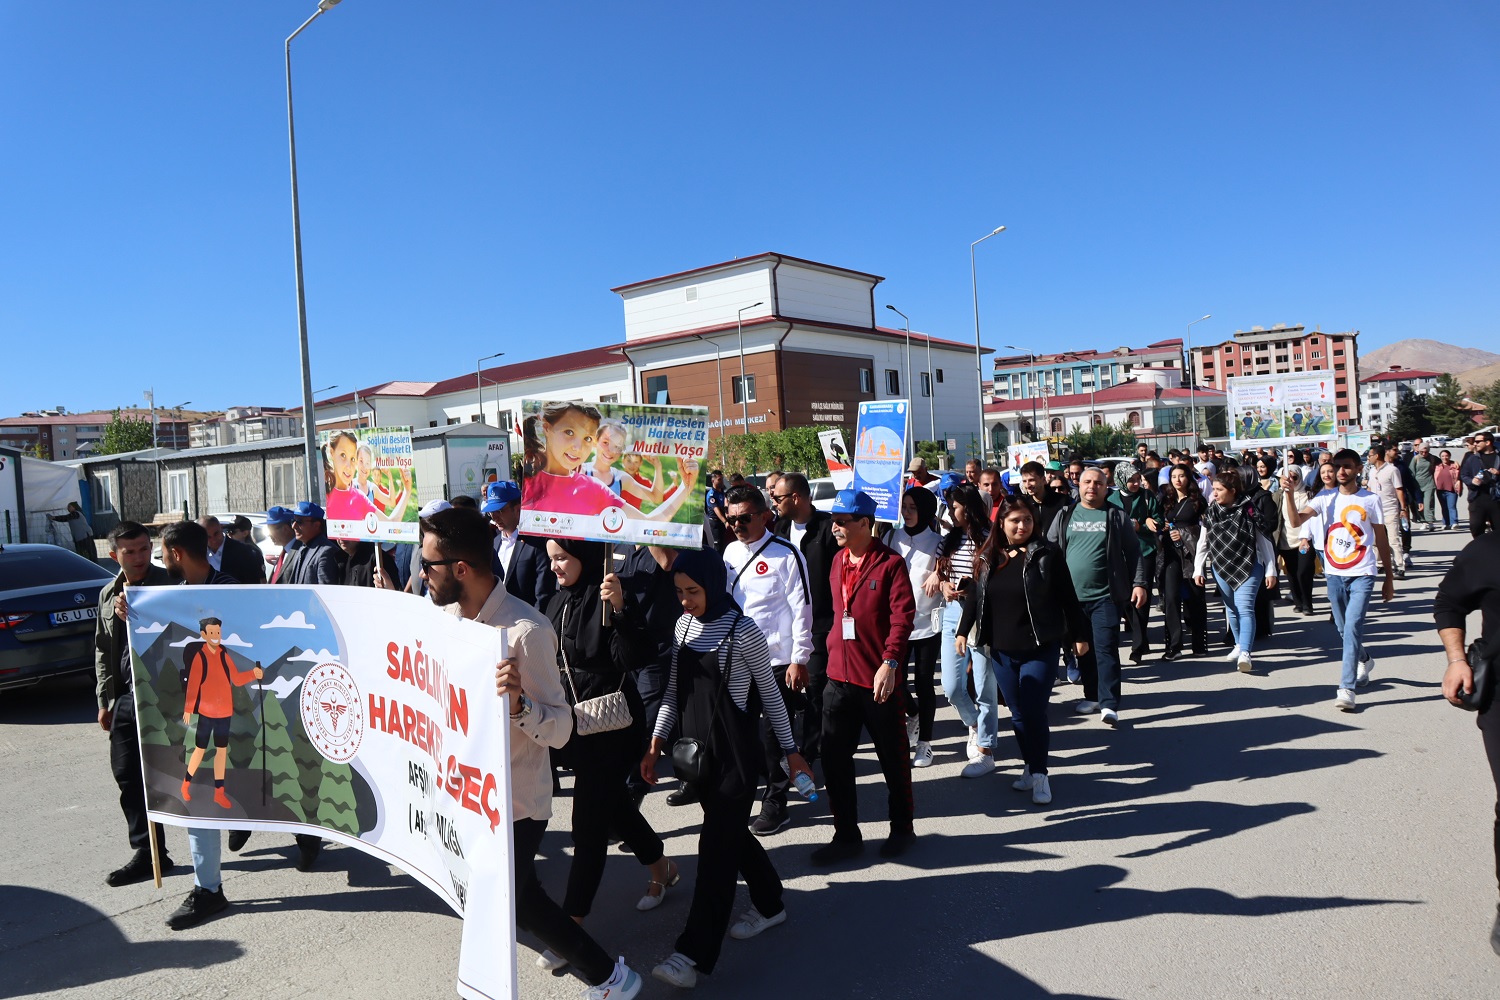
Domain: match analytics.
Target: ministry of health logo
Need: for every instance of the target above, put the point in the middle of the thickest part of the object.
(332, 712)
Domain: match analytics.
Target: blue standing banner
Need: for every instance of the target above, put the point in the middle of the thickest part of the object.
(880, 454)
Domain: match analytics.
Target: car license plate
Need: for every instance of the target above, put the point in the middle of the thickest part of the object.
(81, 615)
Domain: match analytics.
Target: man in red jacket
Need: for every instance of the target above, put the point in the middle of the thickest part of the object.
(873, 609)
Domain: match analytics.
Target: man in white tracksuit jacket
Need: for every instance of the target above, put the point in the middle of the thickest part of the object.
(768, 577)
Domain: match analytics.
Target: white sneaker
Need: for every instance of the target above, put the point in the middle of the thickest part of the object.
(752, 923)
(972, 750)
(1234, 654)
(1041, 790)
(1344, 700)
(1086, 707)
(912, 724)
(1363, 671)
(549, 961)
(1245, 664)
(1109, 717)
(623, 984)
(923, 755)
(1023, 783)
(677, 970)
(979, 767)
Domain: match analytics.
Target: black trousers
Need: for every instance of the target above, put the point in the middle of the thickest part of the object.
(809, 730)
(1305, 570)
(1138, 618)
(1183, 599)
(726, 849)
(1484, 514)
(602, 805)
(777, 780)
(1294, 583)
(848, 709)
(125, 761)
(924, 655)
(651, 682)
(538, 915)
(1489, 726)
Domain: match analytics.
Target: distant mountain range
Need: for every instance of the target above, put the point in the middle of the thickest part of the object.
(1472, 366)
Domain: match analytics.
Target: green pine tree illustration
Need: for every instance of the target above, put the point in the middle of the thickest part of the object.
(280, 759)
(337, 808)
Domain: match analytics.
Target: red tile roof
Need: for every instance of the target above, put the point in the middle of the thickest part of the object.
(738, 261)
(1400, 375)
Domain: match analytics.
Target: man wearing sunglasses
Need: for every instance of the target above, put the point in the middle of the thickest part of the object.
(811, 531)
(768, 577)
(317, 559)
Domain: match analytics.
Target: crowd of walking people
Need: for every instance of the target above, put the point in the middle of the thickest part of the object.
(794, 636)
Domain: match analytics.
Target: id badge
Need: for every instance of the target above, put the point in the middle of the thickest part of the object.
(848, 628)
(937, 619)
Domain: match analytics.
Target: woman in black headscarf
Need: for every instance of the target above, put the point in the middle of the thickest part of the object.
(719, 656)
(595, 660)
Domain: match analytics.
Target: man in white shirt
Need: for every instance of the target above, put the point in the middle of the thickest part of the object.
(768, 578)
(1353, 519)
(1384, 480)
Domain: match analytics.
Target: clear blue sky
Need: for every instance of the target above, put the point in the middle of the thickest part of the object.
(476, 175)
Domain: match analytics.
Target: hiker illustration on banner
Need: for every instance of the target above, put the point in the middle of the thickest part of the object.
(358, 715)
(837, 457)
(1285, 410)
(1255, 411)
(1310, 405)
(880, 454)
(1020, 454)
(370, 483)
(614, 472)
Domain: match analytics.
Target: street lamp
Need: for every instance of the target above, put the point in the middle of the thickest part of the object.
(1036, 385)
(911, 443)
(478, 390)
(739, 326)
(310, 441)
(979, 361)
(1192, 400)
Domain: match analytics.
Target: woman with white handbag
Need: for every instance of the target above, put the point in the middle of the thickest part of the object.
(595, 660)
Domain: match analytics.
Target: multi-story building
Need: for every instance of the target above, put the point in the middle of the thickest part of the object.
(60, 436)
(1380, 394)
(1283, 348)
(1024, 376)
(245, 425)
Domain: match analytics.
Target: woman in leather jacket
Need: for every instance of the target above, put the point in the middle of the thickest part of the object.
(1183, 506)
(1025, 606)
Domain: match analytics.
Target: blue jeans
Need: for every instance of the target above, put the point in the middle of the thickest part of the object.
(1349, 596)
(1100, 666)
(1241, 610)
(955, 681)
(1450, 507)
(1025, 678)
(207, 847)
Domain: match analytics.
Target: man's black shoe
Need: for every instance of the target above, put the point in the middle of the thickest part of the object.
(773, 817)
(1169, 654)
(238, 839)
(686, 795)
(896, 844)
(199, 905)
(137, 869)
(308, 849)
(836, 852)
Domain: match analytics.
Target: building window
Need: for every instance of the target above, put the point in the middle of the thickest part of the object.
(1317, 354)
(940, 376)
(177, 490)
(744, 389)
(1338, 366)
(1228, 363)
(454, 420)
(1134, 417)
(1281, 359)
(1341, 394)
(1104, 377)
(1098, 420)
(103, 488)
(1338, 352)
(613, 397)
(1068, 381)
(475, 418)
(866, 380)
(281, 482)
(926, 383)
(1086, 379)
(892, 382)
(432, 423)
(656, 389)
(1057, 425)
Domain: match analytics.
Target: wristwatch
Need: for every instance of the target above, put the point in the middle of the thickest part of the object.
(525, 709)
(890, 663)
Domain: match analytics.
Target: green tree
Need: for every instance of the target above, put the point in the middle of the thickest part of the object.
(1488, 397)
(280, 761)
(149, 719)
(795, 449)
(1102, 441)
(309, 770)
(124, 434)
(1410, 420)
(38, 450)
(934, 453)
(1445, 407)
(337, 807)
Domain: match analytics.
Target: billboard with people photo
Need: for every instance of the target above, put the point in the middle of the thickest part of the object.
(614, 472)
(1284, 410)
(371, 484)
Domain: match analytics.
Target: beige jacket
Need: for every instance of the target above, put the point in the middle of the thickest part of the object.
(530, 639)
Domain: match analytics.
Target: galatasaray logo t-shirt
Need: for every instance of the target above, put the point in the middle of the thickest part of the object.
(1349, 521)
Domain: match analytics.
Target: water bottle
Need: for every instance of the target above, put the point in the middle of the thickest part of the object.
(806, 787)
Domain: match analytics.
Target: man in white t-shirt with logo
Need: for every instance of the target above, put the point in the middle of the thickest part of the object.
(1354, 532)
(768, 578)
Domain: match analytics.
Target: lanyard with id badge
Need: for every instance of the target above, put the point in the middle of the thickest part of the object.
(861, 571)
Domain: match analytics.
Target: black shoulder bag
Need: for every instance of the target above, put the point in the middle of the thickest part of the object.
(693, 758)
(1484, 679)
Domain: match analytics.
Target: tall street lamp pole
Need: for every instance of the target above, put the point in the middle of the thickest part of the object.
(739, 326)
(910, 393)
(479, 387)
(310, 442)
(1033, 387)
(978, 359)
(1193, 400)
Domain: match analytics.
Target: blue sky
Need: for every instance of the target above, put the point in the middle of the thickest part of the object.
(476, 175)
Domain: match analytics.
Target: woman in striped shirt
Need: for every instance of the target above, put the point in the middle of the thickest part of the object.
(955, 570)
(719, 655)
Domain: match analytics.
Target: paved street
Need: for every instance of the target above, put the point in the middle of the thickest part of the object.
(1238, 838)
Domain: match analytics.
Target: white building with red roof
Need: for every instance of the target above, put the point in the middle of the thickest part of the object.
(1380, 394)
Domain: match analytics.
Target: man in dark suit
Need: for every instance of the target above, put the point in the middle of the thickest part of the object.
(811, 530)
(237, 559)
(522, 559)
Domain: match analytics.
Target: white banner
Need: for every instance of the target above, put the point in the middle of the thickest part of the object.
(363, 716)
(1277, 411)
(1020, 454)
(836, 454)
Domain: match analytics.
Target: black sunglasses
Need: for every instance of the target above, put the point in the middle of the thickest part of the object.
(734, 519)
(778, 497)
(427, 564)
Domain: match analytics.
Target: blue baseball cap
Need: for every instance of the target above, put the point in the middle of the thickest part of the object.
(279, 515)
(948, 481)
(306, 509)
(498, 496)
(853, 502)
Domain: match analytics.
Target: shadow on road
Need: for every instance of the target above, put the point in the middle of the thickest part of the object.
(54, 702)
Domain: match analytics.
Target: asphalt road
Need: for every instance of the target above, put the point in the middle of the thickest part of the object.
(1238, 838)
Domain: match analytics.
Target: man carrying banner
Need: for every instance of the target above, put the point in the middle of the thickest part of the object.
(768, 579)
(456, 554)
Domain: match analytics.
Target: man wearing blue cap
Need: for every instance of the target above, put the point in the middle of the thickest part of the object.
(522, 559)
(279, 527)
(317, 559)
(874, 610)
